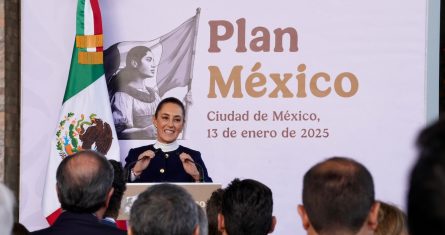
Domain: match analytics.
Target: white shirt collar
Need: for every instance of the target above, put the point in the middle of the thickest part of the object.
(110, 219)
(166, 147)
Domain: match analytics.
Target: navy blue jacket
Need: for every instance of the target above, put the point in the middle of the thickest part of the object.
(166, 166)
(70, 223)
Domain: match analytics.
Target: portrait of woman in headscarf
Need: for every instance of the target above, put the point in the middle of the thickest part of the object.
(133, 103)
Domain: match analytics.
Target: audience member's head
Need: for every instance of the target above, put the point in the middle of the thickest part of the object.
(426, 197)
(338, 198)
(7, 202)
(212, 209)
(119, 189)
(164, 209)
(246, 209)
(392, 221)
(84, 182)
(19, 229)
(203, 224)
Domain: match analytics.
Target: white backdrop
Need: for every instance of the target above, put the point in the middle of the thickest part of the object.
(383, 43)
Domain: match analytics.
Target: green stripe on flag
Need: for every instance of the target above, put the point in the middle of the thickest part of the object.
(81, 75)
(80, 19)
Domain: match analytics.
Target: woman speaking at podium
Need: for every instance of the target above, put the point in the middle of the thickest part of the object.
(166, 160)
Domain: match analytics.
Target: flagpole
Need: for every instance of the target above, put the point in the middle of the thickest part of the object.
(189, 87)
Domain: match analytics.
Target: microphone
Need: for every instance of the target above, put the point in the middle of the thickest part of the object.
(200, 170)
(130, 165)
(198, 166)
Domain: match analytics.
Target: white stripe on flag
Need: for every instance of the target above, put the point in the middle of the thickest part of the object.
(88, 21)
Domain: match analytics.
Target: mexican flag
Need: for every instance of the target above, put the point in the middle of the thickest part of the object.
(85, 119)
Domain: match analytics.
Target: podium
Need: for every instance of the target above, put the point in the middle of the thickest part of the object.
(200, 192)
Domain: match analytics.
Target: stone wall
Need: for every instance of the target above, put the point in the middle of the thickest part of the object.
(2, 90)
(10, 94)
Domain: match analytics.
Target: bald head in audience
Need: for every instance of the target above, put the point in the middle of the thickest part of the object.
(84, 183)
(338, 199)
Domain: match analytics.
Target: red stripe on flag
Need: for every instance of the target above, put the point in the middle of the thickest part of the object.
(97, 20)
(53, 217)
(122, 224)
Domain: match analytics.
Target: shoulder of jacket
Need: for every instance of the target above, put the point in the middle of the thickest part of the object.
(188, 150)
(141, 149)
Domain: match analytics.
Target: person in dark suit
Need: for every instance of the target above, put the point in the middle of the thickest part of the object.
(84, 188)
(166, 160)
(119, 187)
(426, 194)
(19, 229)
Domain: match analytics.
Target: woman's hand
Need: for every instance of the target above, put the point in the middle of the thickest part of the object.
(189, 166)
(143, 161)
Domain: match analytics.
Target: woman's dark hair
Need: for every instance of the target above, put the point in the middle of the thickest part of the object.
(119, 80)
(136, 53)
(170, 100)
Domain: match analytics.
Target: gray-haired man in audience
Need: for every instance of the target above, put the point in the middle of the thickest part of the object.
(164, 209)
